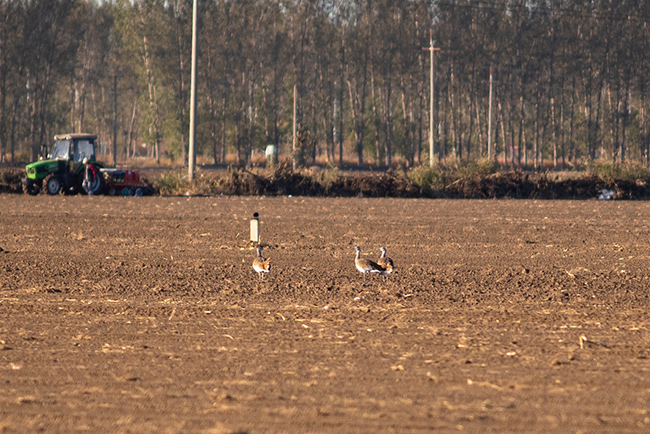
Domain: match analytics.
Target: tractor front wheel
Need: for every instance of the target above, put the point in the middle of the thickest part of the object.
(52, 184)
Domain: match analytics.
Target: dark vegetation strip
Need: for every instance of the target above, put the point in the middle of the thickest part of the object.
(417, 183)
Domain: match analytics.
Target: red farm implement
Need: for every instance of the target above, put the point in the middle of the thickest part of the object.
(125, 183)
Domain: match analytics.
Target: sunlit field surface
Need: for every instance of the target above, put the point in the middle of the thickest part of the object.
(144, 314)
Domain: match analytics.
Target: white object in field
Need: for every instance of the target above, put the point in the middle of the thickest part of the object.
(255, 228)
(271, 153)
(606, 194)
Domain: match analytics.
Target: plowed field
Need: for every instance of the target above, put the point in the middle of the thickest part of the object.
(144, 315)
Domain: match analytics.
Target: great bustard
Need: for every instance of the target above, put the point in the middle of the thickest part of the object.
(366, 265)
(385, 262)
(261, 264)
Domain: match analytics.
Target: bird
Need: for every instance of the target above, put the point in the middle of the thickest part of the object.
(385, 262)
(366, 265)
(261, 264)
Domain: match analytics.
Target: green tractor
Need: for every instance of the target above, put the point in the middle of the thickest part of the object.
(63, 169)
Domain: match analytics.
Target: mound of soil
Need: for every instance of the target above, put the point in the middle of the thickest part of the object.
(284, 181)
(384, 184)
(10, 180)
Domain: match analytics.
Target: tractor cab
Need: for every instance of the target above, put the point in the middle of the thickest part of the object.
(73, 147)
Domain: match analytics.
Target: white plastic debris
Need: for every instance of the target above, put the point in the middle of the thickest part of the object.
(606, 194)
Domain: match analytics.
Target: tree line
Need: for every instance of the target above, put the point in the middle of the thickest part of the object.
(523, 82)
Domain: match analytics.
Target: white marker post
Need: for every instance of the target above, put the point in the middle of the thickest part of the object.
(255, 230)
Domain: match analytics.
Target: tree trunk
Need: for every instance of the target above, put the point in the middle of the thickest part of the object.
(83, 87)
(131, 131)
(591, 146)
(522, 127)
(3, 90)
(614, 109)
(153, 104)
(503, 131)
(472, 103)
(452, 108)
(251, 120)
(479, 129)
(511, 117)
(536, 145)
(407, 122)
(562, 135)
(328, 123)
(211, 96)
(597, 121)
(572, 150)
(388, 115)
(341, 97)
(375, 116)
(182, 112)
(553, 132)
(357, 120)
(625, 116)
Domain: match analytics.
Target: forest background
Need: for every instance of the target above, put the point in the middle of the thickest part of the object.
(565, 81)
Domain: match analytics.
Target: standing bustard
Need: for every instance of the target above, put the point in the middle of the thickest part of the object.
(261, 264)
(385, 262)
(366, 265)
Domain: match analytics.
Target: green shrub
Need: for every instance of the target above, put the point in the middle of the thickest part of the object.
(610, 171)
(426, 177)
(479, 168)
(172, 183)
(326, 177)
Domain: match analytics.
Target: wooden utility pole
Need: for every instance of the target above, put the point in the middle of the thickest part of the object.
(192, 151)
(431, 101)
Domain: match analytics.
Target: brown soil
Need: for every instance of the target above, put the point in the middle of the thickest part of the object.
(145, 315)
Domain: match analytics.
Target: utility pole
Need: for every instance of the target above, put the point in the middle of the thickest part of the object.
(431, 101)
(192, 151)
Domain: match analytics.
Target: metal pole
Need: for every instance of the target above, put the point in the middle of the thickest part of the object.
(191, 152)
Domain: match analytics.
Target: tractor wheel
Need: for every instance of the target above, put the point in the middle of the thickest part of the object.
(31, 188)
(94, 183)
(52, 184)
